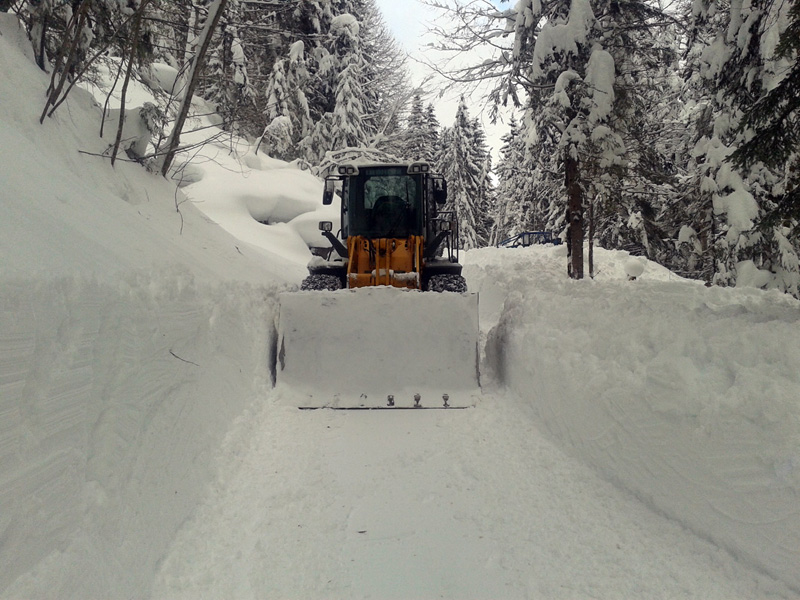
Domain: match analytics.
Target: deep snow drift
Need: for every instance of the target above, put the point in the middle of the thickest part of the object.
(685, 395)
(648, 444)
(132, 331)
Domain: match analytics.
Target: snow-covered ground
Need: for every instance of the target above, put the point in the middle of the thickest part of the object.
(635, 439)
(684, 395)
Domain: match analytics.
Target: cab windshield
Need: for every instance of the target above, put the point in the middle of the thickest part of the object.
(385, 202)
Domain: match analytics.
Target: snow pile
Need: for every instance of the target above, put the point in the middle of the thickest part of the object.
(132, 332)
(232, 184)
(114, 399)
(243, 191)
(684, 395)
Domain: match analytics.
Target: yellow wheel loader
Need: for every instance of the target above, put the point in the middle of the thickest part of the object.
(364, 332)
(393, 231)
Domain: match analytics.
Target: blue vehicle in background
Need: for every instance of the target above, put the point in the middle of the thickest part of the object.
(528, 238)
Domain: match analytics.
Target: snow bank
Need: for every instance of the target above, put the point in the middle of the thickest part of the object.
(132, 332)
(684, 395)
(250, 195)
(113, 401)
(266, 205)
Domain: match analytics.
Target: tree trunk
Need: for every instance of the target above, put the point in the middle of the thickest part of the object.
(574, 217)
(709, 249)
(39, 32)
(134, 50)
(214, 14)
(65, 60)
(591, 238)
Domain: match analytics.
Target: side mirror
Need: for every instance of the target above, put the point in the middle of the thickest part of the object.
(325, 226)
(330, 189)
(439, 191)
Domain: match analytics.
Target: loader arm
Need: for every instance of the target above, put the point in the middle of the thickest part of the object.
(340, 248)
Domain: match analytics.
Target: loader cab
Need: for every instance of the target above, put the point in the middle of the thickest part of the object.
(383, 202)
(386, 201)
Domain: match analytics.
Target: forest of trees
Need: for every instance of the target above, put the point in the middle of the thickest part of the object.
(671, 131)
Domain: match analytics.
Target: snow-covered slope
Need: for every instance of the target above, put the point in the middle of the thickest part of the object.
(130, 335)
(687, 396)
(649, 445)
(65, 212)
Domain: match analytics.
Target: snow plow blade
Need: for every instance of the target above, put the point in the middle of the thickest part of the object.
(378, 348)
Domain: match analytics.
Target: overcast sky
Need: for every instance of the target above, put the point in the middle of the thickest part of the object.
(408, 20)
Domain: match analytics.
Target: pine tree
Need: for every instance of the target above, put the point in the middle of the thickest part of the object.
(345, 124)
(509, 217)
(462, 166)
(580, 69)
(416, 138)
(774, 123)
(630, 195)
(486, 200)
(738, 71)
(226, 82)
(287, 111)
(432, 142)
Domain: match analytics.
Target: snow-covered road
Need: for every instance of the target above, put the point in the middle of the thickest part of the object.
(429, 504)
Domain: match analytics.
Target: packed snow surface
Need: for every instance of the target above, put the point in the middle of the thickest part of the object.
(634, 439)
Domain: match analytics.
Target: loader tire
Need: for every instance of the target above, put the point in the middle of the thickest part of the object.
(320, 282)
(447, 283)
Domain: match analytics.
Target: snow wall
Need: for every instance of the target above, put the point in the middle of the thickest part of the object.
(683, 395)
(113, 401)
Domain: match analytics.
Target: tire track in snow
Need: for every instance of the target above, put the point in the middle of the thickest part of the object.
(407, 504)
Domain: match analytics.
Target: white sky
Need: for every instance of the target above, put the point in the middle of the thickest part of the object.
(409, 21)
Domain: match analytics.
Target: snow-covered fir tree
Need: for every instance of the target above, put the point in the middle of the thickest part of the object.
(415, 139)
(739, 66)
(226, 82)
(421, 135)
(589, 75)
(462, 161)
(351, 79)
(349, 127)
(432, 128)
(486, 200)
(584, 64)
(287, 111)
(509, 215)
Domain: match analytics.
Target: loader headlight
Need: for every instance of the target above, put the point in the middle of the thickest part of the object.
(347, 170)
(326, 226)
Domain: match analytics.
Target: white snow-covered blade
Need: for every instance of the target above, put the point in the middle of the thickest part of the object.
(355, 348)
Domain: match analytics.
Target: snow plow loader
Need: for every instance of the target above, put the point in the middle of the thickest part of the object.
(370, 327)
